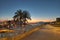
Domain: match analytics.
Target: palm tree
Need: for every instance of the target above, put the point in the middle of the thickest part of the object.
(21, 17)
(26, 16)
(18, 17)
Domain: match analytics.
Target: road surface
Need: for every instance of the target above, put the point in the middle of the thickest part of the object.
(46, 32)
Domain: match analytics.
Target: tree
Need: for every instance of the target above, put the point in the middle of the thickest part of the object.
(18, 17)
(26, 16)
(21, 17)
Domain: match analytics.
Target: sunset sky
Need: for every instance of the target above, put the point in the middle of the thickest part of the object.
(40, 10)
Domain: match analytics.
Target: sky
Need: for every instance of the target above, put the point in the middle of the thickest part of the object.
(40, 10)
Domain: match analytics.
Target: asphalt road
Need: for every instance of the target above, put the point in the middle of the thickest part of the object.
(46, 32)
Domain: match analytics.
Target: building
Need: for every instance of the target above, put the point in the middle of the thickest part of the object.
(58, 20)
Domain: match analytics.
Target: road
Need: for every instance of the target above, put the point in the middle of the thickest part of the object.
(46, 32)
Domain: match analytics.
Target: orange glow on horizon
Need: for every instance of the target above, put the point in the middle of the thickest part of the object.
(39, 20)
